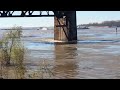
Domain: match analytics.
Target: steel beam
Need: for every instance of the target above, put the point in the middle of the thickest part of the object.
(65, 28)
(25, 14)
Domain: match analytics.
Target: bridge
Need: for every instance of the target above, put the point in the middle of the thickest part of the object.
(65, 28)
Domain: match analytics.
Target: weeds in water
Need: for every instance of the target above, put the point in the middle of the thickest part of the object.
(12, 55)
(9, 42)
(43, 72)
(12, 50)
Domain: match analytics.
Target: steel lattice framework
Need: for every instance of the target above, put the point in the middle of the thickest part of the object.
(64, 21)
(31, 13)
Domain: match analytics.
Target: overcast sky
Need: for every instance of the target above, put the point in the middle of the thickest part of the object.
(83, 17)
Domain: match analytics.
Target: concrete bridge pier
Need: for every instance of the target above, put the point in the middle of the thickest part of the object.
(65, 28)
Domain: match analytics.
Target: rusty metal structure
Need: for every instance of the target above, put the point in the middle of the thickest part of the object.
(65, 28)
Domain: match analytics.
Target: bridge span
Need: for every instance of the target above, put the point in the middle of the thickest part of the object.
(65, 27)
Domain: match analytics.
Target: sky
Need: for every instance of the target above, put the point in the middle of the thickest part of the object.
(83, 17)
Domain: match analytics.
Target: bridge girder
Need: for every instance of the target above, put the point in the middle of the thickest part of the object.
(59, 14)
(64, 22)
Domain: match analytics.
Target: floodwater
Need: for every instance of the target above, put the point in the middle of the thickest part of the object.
(95, 56)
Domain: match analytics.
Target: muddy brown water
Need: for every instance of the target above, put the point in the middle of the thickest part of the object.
(95, 56)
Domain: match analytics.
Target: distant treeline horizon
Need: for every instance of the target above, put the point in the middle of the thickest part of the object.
(104, 23)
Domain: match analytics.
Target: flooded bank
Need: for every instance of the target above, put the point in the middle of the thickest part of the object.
(95, 56)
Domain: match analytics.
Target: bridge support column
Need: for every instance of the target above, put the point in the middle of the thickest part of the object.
(65, 27)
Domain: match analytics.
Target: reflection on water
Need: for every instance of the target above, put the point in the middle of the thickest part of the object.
(65, 63)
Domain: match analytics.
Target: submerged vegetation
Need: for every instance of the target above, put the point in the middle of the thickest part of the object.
(12, 50)
(12, 57)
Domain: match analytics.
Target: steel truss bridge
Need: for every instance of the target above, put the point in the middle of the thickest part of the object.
(65, 28)
(31, 13)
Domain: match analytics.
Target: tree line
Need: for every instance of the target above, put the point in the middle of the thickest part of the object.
(104, 23)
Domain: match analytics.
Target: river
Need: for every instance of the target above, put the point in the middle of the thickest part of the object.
(95, 56)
